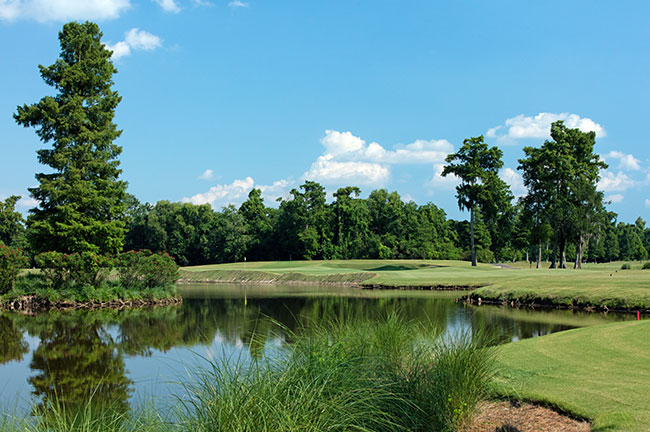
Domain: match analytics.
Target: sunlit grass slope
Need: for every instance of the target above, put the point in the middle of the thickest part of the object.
(595, 284)
(601, 373)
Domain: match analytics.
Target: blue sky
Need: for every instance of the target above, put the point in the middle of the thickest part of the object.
(220, 96)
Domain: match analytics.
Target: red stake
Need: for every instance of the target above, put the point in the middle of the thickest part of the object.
(638, 315)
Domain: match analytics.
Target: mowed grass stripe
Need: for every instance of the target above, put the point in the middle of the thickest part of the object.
(601, 373)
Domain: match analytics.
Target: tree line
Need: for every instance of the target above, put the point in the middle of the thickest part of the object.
(83, 206)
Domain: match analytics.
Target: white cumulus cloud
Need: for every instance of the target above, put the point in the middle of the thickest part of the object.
(207, 175)
(62, 10)
(615, 198)
(539, 126)
(27, 202)
(224, 194)
(345, 146)
(618, 182)
(329, 171)
(134, 39)
(446, 183)
(169, 5)
(237, 4)
(349, 159)
(279, 189)
(514, 179)
(237, 192)
(626, 161)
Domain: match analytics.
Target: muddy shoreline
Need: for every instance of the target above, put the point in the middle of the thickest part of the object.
(541, 303)
(32, 304)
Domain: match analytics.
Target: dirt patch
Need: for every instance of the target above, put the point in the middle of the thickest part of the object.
(516, 417)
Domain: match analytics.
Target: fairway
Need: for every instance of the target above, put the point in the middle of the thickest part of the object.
(601, 373)
(594, 285)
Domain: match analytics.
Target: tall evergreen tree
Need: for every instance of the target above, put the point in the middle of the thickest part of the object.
(81, 201)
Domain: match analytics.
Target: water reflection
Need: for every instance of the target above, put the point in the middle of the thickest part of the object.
(78, 360)
(12, 343)
(79, 353)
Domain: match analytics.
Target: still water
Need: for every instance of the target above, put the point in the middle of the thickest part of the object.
(138, 356)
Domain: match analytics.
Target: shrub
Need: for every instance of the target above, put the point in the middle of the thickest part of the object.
(625, 266)
(144, 269)
(76, 269)
(12, 260)
(646, 266)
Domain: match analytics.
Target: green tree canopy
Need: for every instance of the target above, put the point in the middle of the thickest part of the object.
(477, 166)
(561, 177)
(81, 201)
(12, 229)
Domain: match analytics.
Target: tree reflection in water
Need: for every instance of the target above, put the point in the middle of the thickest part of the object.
(81, 354)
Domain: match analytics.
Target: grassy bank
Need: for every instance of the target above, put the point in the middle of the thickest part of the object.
(601, 373)
(31, 293)
(600, 285)
(363, 375)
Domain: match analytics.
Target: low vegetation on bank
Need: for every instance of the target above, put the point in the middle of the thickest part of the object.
(86, 278)
(601, 373)
(385, 375)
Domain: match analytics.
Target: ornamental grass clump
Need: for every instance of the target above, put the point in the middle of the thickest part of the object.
(386, 375)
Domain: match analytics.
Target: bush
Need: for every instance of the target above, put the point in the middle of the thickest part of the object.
(144, 269)
(646, 266)
(12, 260)
(76, 269)
(625, 266)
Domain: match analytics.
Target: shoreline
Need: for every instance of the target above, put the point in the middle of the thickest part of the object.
(347, 283)
(34, 304)
(545, 303)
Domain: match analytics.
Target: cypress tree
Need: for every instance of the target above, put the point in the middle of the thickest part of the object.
(81, 201)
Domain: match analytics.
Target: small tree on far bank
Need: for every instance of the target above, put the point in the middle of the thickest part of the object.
(477, 167)
(12, 229)
(81, 201)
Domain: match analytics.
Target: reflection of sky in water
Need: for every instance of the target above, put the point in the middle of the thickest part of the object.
(210, 331)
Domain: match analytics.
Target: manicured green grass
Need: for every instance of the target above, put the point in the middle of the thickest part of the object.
(601, 373)
(595, 284)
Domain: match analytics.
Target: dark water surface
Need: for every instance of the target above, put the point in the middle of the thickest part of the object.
(134, 356)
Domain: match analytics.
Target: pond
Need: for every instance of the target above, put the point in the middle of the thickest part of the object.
(130, 357)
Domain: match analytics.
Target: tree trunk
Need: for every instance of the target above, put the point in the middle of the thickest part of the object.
(471, 231)
(577, 264)
(562, 254)
(554, 255)
(539, 255)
